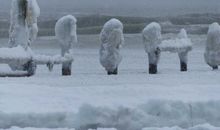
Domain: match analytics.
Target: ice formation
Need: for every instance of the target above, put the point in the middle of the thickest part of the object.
(112, 40)
(152, 39)
(65, 31)
(212, 51)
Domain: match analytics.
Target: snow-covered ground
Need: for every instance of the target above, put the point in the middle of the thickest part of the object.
(131, 100)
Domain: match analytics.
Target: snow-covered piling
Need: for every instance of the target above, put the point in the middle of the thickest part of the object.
(112, 39)
(212, 51)
(23, 14)
(183, 55)
(151, 39)
(154, 46)
(65, 30)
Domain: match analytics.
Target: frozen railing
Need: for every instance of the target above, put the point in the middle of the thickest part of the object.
(154, 45)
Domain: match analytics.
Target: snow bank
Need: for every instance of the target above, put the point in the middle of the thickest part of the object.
(29, 128)
(112, 40)
(155, 113)
(198, 127)
(151, 37)
(212, 51)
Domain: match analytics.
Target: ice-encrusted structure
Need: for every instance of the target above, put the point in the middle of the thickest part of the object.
(65, 31)
(154, 46)
(181, 45)
(112, 39)
(151, 39)
(23, 30)
(212, 51)
(23, 27)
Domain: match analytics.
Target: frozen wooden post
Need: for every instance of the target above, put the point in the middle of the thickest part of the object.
(154, 46)
(112, 39)
(65, 30)
(151, 39)
(183, 55)
(212, 51)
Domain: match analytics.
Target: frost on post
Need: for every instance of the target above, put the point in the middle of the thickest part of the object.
(24, 14)
(65, 30)
(212, 51)
(151, 39)
(33, 12)
(111, 41)
(23, 26)
(183, 55)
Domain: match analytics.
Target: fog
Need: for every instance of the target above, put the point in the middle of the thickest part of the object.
(144, 8)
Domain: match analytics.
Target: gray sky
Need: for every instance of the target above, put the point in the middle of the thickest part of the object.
(126, 7)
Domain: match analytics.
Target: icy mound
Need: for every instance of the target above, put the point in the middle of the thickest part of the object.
(154, 113)
(29, 128)
(199, 127)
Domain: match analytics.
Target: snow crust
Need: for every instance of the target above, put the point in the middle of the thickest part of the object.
(112, 40)
(212, 50)
(29, 128)
(199, 127)
(154, 113)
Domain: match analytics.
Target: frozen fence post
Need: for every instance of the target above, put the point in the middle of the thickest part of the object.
(151, 39)
(18, 33)
(111, 41)
(65, 30)
(212, 51)
(183, 55)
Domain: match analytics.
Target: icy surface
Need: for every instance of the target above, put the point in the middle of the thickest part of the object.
(112, 39)
(132, 99)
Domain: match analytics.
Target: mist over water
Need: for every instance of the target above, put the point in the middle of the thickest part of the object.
(146, 8)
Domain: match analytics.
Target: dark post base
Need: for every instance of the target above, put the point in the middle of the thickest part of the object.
(115, 72)
(152, 69)
(215, 67)
(183, 66)
(30, 67)
(66, 71)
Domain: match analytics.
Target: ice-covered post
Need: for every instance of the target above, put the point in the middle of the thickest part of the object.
(151, 39)
(65, 30)
(18, 33)
(112, 39)
(33, 12)
(212, 51)
(183, 56)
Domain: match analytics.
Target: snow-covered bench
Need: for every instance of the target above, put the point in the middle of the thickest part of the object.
(154, 45)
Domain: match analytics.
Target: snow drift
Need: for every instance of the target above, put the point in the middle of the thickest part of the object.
(155, 113)
(112, 40)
